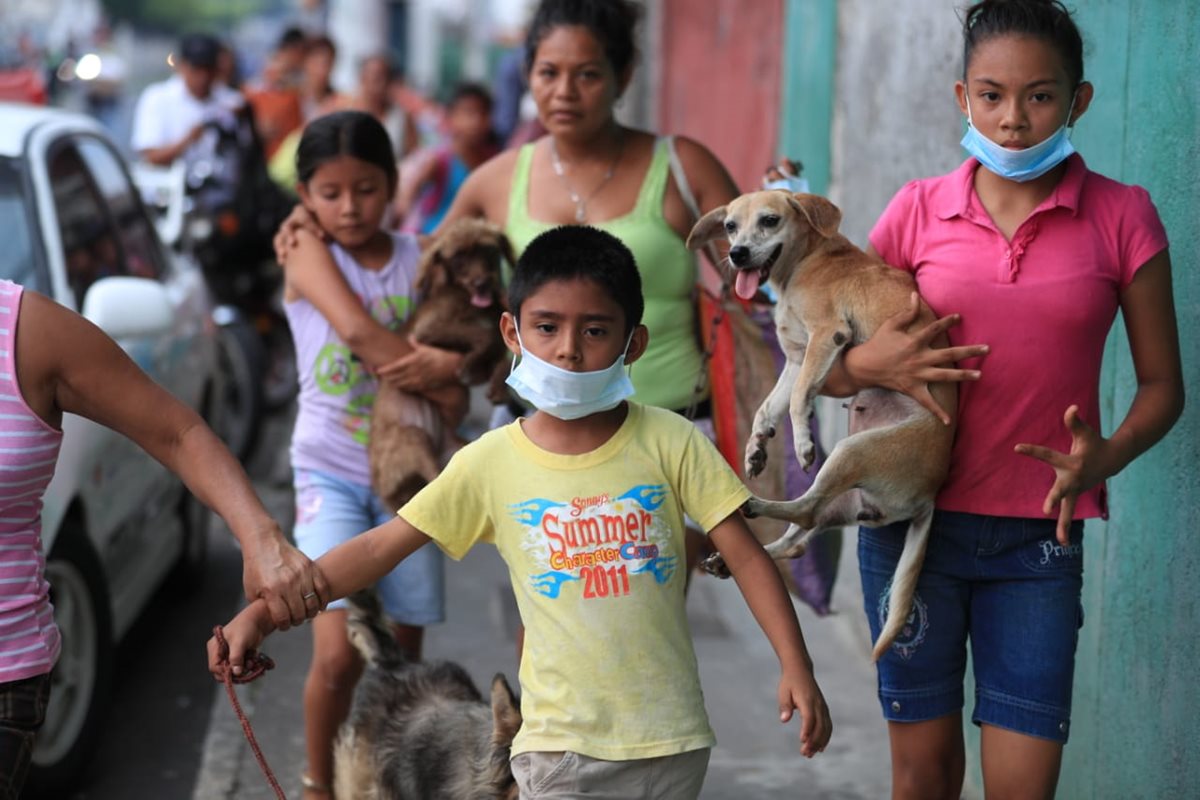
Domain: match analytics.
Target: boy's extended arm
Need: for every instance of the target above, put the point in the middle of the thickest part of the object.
(347, 568)
(759, 581)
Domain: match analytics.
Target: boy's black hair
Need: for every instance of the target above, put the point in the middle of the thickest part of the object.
(200, 50)
(574, 252)
(473, 91)
(345, 133)
(1048, 20)
(611, 22)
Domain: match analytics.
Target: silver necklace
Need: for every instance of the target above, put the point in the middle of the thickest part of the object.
(579, 201)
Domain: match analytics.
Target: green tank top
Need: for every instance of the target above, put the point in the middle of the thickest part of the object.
(666, 374)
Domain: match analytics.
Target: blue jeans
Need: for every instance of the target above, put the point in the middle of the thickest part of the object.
(331, 510)
(1006, 585)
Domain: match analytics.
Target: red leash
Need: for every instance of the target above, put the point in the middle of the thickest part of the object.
(256, 664)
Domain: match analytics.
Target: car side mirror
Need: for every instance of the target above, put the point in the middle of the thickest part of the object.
(125, 307)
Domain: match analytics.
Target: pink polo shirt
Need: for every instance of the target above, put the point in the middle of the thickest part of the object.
(1043, 302)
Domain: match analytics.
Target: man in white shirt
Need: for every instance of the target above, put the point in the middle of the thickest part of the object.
(173, 117)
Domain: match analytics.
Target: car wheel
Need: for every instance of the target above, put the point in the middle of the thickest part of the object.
(238, 406)
(80, 685)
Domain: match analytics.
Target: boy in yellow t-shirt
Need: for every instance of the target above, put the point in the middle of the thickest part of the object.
(585, 501)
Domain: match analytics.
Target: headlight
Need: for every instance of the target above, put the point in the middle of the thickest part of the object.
(88, 68)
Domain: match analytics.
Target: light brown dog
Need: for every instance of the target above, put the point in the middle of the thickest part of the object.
(832, 295)
(461, 298)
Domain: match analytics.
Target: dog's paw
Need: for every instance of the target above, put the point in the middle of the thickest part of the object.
(756, 452)
(806, 454)
(754, 507)
(796, 550)
(750, 508)
(756, 462)
(715, 565)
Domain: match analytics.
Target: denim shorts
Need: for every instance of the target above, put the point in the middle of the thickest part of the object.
(1006, 585)
(331, 510)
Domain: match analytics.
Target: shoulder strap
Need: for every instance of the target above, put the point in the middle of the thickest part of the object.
(518, 192)
(681, 181)
(689, 199)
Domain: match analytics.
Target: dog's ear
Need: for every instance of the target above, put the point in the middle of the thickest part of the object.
(821, 214)
(506, 250)
(506, 711)
(433, 271)
(707, 228)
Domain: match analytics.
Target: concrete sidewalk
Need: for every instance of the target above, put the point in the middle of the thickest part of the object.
(756, 757)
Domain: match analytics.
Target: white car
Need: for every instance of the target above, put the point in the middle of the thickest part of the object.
(116, 523)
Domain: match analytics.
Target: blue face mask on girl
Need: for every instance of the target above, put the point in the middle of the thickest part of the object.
(1018, 165)
(565, 394)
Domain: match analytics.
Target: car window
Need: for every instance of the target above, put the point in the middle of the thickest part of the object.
(18, 258)
(89, 239)
(139, 242)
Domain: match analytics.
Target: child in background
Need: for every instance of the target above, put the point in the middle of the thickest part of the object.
(585, 501)
(1037, 253)
(430, 186)
(347, 174)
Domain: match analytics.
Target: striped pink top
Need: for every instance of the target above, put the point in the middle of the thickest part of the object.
(29, 641)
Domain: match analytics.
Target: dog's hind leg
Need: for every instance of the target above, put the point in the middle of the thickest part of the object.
(841, 510)
(842, 473)
(904, 582)
(767, 418)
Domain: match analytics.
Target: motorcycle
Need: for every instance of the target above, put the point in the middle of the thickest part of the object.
(221, 209)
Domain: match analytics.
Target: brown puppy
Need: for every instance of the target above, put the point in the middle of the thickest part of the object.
(832, 295)
(461, 295)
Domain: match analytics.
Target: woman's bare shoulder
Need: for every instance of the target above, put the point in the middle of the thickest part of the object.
(485, 191)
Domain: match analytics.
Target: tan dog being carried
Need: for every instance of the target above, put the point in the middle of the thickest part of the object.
(832, 295)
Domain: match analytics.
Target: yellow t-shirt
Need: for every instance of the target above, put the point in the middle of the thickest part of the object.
(594, 547)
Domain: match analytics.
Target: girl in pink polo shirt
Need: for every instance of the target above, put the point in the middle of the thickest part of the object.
(1034, 254)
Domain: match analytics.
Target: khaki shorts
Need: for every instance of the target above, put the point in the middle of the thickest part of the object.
(559, 776)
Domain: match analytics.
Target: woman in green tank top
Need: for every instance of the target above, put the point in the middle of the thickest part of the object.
(591, 169)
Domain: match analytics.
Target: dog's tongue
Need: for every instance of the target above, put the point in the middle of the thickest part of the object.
(746, 283)
(481, 299)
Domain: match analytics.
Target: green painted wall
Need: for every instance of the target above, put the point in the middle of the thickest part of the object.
(1136, 721)
(809, 52)
(1135, 728)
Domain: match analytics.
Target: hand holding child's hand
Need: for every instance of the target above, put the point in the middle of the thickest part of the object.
(798, 690)
(1075, 472)
(243, 635)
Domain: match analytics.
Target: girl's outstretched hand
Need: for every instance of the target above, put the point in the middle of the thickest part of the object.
(1075, 472)
(798, 690)
(893, 358)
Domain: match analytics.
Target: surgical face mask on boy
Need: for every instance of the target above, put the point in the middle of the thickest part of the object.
(565, 394)
(1019, 165)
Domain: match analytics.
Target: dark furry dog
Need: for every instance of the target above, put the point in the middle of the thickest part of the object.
(420, 731)
(461, 299)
